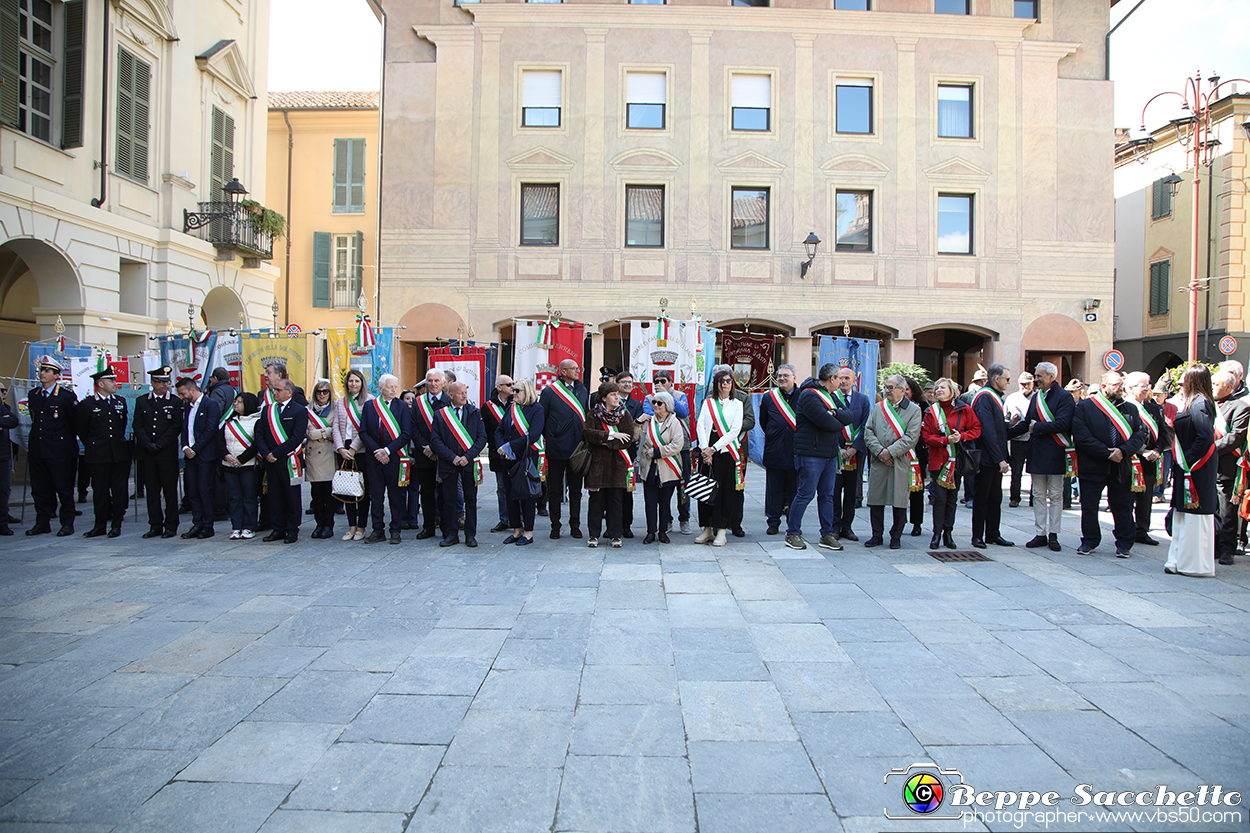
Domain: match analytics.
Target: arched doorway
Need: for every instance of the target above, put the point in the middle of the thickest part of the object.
(1061, 341)
(1162, 363)
(222, 310)
(421, 328)
(954, 351)
(35, 275)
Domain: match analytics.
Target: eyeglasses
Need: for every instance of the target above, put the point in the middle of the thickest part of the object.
(891, 387)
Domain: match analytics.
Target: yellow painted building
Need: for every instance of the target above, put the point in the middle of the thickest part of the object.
(323, 175)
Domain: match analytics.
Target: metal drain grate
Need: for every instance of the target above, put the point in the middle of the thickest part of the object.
(957, 555)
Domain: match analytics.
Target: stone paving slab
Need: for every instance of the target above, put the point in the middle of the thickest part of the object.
(329, 686)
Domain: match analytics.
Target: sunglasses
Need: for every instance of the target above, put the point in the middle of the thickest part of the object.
(892, 387)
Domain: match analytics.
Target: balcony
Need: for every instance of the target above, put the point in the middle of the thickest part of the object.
(234, 226)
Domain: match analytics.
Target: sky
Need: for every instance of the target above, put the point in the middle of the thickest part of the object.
(336, 45)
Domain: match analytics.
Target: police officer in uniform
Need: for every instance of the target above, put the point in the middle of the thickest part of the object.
(53, 450)
(100, 421)
(157, 429)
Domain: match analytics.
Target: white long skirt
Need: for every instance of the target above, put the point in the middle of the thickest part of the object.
(1192, 552)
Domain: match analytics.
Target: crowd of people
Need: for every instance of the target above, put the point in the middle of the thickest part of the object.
(423, 454)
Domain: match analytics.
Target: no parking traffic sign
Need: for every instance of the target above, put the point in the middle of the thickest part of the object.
(1228, 345)
(1113, 360)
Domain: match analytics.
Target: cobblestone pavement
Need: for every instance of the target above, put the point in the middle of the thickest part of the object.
(328, 686)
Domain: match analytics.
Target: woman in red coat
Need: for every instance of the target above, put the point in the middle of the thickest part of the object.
(946, 424)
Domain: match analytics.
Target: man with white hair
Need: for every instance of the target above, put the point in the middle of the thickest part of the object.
(1232, 418)
(425, 461)
(1149, 463)
(1052, 454)
(1107, 432)
(1239, 375)
(458, 438)
(385, 429)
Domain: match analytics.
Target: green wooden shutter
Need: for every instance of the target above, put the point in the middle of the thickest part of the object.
(356, 188)
(321, 269)
(134, 88)
(1165, 274)
(360, 265)
(349, 176)
(1165, 199)
(342, 163)
(221, 158)
(72, 77)
(8, 62)
(142, 119)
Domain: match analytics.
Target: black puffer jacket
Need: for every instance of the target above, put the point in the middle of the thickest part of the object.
(819, 432)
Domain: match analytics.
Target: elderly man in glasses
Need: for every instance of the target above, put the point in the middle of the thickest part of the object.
(891, 433)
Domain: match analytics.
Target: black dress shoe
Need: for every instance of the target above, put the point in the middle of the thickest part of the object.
(1036, 541)
(425, 533)
(77, 513)
(1000, 541)
(1143, 538)
(193, 532)
(575, 532)
(978, 543)
(499, 527)
(524, 542)
(1227, 560)
(4, 530)
(273, 536)
(1053, 543)
(12, 520)
(169, 533)
(115, 532)
(896, 543)
(263, 527)
(449, 541)
(290, 538)
(470, 542)
(915, 530)
(628, 533)
(847, 535)
(396, 538)
(309, 511)
(65, 532)
(153, 533)
(649, 538)
(207, 532)
(511, 539)
(663, 537)
(39, 530)
(375, 538)
(772, 530)
(935, 541)
(555, 534)
(542, 511)
(409, 526)
(874, 541)
(739, 532)
(94, 532)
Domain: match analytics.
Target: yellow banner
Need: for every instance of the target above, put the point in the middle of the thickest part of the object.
(339, 344)
(259, 351)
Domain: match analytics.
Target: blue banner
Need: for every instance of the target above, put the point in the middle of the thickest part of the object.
(48, 348)
(856, 353)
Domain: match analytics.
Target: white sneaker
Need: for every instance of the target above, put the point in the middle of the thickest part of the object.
(236, 534)
(247, 533)
(706, 535)
(720, 540)
(685, 528)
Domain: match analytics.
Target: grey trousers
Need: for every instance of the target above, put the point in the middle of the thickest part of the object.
(1048, 503)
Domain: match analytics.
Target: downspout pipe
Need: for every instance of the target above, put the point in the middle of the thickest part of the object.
(104, 118)
(377, 231)
(286, 272)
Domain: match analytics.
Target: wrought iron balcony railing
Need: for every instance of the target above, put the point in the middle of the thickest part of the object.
(228, 225)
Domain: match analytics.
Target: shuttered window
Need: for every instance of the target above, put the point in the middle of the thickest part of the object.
(752, 101)
(1160, 200)
(134, 87)
(349, 176)
(645, 94)
(541, 92)
(321, 268)
(72, 73)
(1160, 274)
(221, 158)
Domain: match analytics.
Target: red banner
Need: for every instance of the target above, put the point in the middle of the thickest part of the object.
(748, 354)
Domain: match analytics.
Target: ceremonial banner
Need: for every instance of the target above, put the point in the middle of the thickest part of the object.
(749, 355)
(177, 353)
(373, 364)
(48, 348)
(678, 355)
(258, 351)
(856, 353)
(469, 367)
(532, 360)
(490, 353)
(226, 354)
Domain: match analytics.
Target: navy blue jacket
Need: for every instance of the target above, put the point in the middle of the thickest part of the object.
(374, 437)
(820, 430)
(419, 432)
(1046, 456)
(778, 435)
(294, 421)
(506, 435)
(1095, 436)
(443, 438)
(8, 420)
(207, 438)
(563, 427)
(994, 431)
(52, 423)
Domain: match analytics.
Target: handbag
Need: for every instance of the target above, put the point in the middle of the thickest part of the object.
(967, 460)
(702, 487)
(525, 482)
(580, 461)
(348, 484)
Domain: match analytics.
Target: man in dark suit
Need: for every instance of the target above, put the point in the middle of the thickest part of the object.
(458, 437)
(1049, 421)
(385, 429)
(157, 428)
(424, 460)
(625, 381)
(1232, 419)
(846, 492)
(987, 500)
(100, 422)
(8, 421)
(493, 411)
(280, 434)
(778, 422)
(274, 374)
(565, 405)
(1107, 433)
(201, 446)
(53, 450)
(1150, 458)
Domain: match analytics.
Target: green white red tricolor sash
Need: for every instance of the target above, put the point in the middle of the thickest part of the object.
(783, 407)
(294, 466)
(629, 470)
(717, 412)
(266, 397)
(1069, 448)
(661, 331)
(317, 421)
(566, 394)
(657, 442)
(235, 427)
(946, 477)
(545, 331)
(994, 396)
(226, 413)
(495, 410)
(425, 409)
(849, 432)
(353, 414)
(1189, 490)
(522, 426)
(457, 429)
(1113, 413)
(1153, 428)
(915, 482)
(389, 426)
(365, 339)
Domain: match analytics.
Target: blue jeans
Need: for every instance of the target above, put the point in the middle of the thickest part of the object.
(818, 477)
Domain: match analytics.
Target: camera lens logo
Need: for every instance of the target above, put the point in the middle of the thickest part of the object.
(923, 793)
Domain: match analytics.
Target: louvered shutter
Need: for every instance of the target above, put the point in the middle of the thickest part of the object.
(321, 269)
(142, 118)
(123, 159)
(72, 77)
(8, 62)
(1156, 210)
(221, 157)
(356, 186)
(342, 162)
(360, 265)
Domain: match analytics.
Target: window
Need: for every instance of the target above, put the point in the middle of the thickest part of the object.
(752, 101)
(349, 176)
(750, 2)
(954, 224)
(134, 87)
(221, 155)
(1160, 273)
(955, 111)
(851, 5)
(540, 215)
(854, 221)
(1026, 9)
(540, 98)
(854, 105)
(750, 219)
(645, 94)
(644, 216)
(1160, 200)
(543, 1)
(647, 2)
(950, 6)
(338, 270)
(42, 54)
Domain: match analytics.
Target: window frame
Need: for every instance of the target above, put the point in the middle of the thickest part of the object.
(641, 69)
(768, 212)
(1162, 293)
(1036, 4)
(663, 214)
(348, 182)
(731, 109)
(867, 6)
(971, 197)
(29, 50)
(554, 244)
(519, 126)
(967, 8)
(352, 271)
(973, 110)
(871, 86)
(870, 246)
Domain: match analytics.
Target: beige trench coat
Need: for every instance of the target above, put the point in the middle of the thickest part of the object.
(887, 485)
(319, 453)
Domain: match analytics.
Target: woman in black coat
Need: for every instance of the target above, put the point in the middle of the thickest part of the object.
(1195, 498)
(519, 431)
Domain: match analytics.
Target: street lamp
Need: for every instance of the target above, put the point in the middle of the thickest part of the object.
(809, 245)
(1195, 132)
(274, 309)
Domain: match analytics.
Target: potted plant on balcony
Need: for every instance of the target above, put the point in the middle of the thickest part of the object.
(264, 220)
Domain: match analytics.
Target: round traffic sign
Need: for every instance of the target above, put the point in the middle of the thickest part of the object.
(1228, 345)
(293, 330)
(1113, 360)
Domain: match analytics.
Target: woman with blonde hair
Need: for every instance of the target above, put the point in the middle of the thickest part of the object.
(517, 437)
(1195, 498)
(348, 416)
(319, 458)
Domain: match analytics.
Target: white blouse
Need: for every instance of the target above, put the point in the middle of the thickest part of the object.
(732, 409)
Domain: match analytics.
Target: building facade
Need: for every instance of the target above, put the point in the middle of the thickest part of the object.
(322, 175)
(1153, 255)
(128, 114)
(957, 167)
